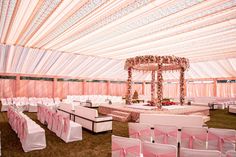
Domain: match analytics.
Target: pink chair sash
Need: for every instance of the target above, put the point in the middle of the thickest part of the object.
(66, 124)
(147, 153)
(137, 134)
(123, 151)
(221, 139)
(165, 134)
(191, 138)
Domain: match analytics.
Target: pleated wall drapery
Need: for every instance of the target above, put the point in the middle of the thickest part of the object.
(200, 90)
(226, 89)
(43, 88)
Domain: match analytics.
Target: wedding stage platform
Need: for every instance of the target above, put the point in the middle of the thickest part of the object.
(135, 109)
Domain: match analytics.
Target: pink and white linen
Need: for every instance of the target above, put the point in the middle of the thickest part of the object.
(166, 134)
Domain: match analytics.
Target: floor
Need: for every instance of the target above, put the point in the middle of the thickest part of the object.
(92, 145)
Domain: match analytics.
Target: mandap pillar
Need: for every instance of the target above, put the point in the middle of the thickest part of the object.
(129, 86)
(153, 86)
(159, 84)
(182, 86)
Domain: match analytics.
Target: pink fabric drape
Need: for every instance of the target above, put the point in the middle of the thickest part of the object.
(200, 90)
(191, 138)
(7, 88)
(226, 89)
(118, 89)
(171, 90)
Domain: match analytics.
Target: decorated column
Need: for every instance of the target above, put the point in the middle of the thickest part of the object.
(129, 86)
(182, 87)
(159, 84)
(153, 86)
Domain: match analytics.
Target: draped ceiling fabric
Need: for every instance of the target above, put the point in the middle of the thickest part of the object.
(92, 38)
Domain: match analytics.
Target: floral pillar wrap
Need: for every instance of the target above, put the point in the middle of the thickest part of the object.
(153, 86)
(159, 84)
(182, 87)
(129, 86)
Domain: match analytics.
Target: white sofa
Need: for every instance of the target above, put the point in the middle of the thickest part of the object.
(90, 120)
(170, 119)
(232, 108)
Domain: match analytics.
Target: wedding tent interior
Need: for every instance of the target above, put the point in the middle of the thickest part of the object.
(118, 78)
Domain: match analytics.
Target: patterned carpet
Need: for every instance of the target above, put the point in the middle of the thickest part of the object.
(92, 145)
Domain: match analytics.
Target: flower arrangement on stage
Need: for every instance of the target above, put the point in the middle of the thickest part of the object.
(168, 103)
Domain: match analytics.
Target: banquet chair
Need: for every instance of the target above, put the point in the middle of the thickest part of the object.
(124, 147)
(166, 134)
(157, 149)
(50, 119)
(230, 153)
(221, 139)
(33, 105)
(194, 137)
(185, 152)
(71, 131)
(140, 131)
(4, 105)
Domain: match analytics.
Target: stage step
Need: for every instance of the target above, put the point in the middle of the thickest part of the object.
(120, 113)
(120, 116)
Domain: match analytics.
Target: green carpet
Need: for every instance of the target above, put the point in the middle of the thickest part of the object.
(98, 145)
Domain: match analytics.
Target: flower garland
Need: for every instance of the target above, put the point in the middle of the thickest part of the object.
(159, 84)
(129, 86)
(178, 62)
(181, 82)
(153, 86)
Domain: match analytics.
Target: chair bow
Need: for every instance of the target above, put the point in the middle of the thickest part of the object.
(192, 138)
(221, 139)
(123, 151)
(137, 134)
(165, 134)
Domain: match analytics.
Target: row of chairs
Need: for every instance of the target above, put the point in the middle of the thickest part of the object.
(28, 104)
(31, 135)
(123, 146)
(61, 125)
(189, 137)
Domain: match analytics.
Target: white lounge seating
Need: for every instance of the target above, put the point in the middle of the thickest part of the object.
(230, 153)
(174, 120)
(232, 109)
(185, 152)
(90, 119)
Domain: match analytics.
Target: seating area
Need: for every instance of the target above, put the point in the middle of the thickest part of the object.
(87, 117)
(94, 100)
(122, 78)
(219, 102)
(164, 140)
(62, 126)
(31, 135)
(28, 104)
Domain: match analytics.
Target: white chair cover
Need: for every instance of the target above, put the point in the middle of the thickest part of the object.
(221, 139)
(194, 137)
(125, 147)
(166, 134)
(140, 131)
(159, 150)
